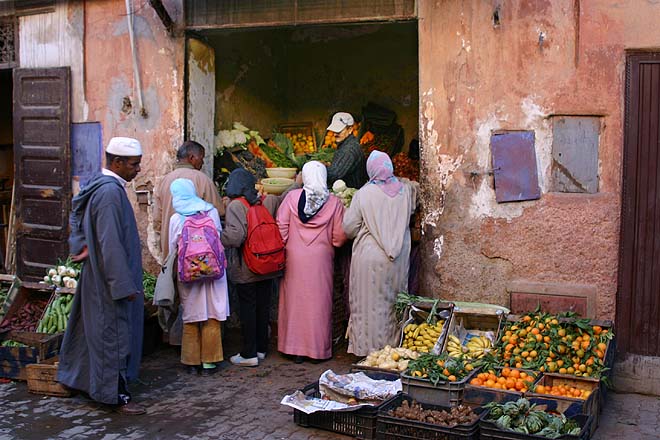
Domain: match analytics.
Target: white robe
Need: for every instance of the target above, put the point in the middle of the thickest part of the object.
(201, 300)
(379, 265)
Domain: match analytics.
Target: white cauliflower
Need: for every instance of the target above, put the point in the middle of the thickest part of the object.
(339, 186)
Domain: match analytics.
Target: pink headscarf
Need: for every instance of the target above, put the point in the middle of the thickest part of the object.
(381, 173)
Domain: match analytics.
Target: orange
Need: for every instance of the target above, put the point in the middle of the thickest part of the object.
(515, 373)
(562, 370)
(540, 389)
(490, 383)
(518, 364)
(506, 372)
(535, 331)
(451, 378)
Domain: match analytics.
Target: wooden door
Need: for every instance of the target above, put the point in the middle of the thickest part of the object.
(42, 161)
(638, 299)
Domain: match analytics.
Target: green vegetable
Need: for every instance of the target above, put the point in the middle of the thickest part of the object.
(148, 285)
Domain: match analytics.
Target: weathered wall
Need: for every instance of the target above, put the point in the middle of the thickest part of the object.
(273, 76)
(544, 58)
(111, 92)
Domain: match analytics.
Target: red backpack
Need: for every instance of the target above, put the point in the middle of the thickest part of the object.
(263, 250)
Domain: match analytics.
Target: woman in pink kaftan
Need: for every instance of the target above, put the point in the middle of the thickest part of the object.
(310, 221)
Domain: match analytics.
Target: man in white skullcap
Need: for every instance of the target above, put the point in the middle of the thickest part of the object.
(102, 344)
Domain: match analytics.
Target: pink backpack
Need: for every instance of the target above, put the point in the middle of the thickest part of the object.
(201, 255)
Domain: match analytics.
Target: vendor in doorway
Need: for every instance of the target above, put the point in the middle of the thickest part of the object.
(348, 163)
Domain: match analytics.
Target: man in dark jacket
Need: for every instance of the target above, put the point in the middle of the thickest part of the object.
(103, 341)
(348, 163)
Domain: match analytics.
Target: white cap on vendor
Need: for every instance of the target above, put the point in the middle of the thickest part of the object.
(340, 121)
(124, 146)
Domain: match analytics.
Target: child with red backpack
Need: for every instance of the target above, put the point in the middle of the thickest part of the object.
(255, 256)
(194, 235)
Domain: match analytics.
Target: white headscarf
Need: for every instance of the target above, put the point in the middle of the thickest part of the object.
(315, 185)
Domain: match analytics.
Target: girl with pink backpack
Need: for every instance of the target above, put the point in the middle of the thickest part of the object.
(194, 234)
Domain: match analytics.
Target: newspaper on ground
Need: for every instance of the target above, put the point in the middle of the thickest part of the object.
(344, 392)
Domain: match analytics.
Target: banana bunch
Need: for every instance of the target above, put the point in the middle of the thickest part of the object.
(478, 346)
(454, 347)
(422, 337)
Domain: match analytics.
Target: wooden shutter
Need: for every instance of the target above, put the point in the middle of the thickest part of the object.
(42, 158)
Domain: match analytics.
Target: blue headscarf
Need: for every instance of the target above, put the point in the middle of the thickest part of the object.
(185, 200)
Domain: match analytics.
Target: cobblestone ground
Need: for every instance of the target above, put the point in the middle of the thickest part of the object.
(236, 403)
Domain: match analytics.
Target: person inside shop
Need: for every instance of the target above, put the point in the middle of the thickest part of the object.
(205, 301)
(348, 163)
(310, 223)
(378, 220)
(102, 345)
(189, 162)
(254, 291)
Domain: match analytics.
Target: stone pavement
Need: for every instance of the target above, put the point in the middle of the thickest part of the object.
(236, 403)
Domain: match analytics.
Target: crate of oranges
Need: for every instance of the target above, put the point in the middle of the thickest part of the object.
(498, 385)
(301, 135)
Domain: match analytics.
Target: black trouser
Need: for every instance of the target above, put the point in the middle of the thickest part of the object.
(122, 392)
(254, 303)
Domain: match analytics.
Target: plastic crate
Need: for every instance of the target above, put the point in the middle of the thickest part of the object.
(480, 395)
(445, 393)
(394, 428)
(360, 423)
(489, 430)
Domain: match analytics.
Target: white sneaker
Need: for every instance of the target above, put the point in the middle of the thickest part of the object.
(239, 360)
(261, 356)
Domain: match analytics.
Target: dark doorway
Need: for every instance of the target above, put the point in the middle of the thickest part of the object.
(638, 297)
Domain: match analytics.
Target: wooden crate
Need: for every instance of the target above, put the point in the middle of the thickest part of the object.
(12, 284)
(42, 379)
(482, 322)
(28, 292)
(305, 128)
(39, 347)
(570, 405)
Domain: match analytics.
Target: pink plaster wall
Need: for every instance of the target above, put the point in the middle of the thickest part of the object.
(475, 78)
(109, 81)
